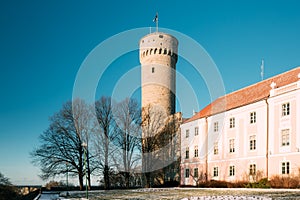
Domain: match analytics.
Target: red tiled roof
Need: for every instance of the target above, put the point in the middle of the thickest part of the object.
(247, 95)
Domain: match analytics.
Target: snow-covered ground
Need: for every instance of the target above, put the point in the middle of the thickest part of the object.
(187, 194)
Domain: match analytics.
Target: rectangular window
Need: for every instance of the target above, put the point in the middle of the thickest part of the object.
(196, 174)
(187, 133)
(285, 137)
(153, 69)
(285, 168)
(216, 171)
(197, 130)
(285, 109)
(196, 152)
(187, 173)
(231, 146)
(216, 148)
(252, 169)
(252, 117)
(216, 126)
(231, 171)
(232, 122)
(187, 153)
(252, 142)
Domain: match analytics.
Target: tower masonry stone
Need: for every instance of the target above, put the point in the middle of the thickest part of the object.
(158, 57)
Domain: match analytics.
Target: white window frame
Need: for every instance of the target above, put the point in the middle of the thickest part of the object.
(285, 109)
(196, 130)
(231, 145)
(216, 148)
(285, 167)
(252, 169)
(253, 117)
(215, 171)
(252, 142)
(187, 133)
(231, 170)
(216, 126)
(196, 151)
(285, 137)
(187, 173)
(196, 172)
(187, 153)
(232, 122)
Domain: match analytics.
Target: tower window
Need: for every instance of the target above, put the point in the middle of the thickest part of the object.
(153, 69)
(161, 36)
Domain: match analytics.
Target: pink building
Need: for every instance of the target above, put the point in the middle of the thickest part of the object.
(245, 135)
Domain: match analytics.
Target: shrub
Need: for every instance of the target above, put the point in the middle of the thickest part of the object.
(262, 183)
(284, 182)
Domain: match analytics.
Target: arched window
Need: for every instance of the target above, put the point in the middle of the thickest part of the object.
(160, 50)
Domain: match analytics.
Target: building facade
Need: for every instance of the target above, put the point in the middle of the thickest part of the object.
(246, 135)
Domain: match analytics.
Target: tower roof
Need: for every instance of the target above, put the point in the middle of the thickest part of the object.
(247, 95)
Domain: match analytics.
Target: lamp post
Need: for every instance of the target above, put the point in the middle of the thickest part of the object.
(84, 145)
(67, 164)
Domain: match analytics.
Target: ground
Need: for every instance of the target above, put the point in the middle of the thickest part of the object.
(182, 193)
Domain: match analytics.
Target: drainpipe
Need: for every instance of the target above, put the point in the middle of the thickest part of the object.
(206, 153)
(267, 145)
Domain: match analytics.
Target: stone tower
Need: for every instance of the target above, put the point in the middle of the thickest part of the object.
(158, 57)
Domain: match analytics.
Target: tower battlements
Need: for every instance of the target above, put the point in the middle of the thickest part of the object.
(158, 44)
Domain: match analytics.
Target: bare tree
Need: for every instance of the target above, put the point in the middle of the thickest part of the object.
(105, 134)
(128, 120)
(62, 142)
(153, 121)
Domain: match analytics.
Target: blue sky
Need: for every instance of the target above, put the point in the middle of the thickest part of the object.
(43, 44)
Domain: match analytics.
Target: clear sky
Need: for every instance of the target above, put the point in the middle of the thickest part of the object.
(43, 44)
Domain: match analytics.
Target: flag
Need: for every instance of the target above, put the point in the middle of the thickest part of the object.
(155, 18)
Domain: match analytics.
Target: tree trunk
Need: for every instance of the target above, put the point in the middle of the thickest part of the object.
(148, 178)
(127, 179)
(106, 177)
(80, 176)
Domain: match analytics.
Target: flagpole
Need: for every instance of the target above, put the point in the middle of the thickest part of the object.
(156, 22)
(262, 69)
